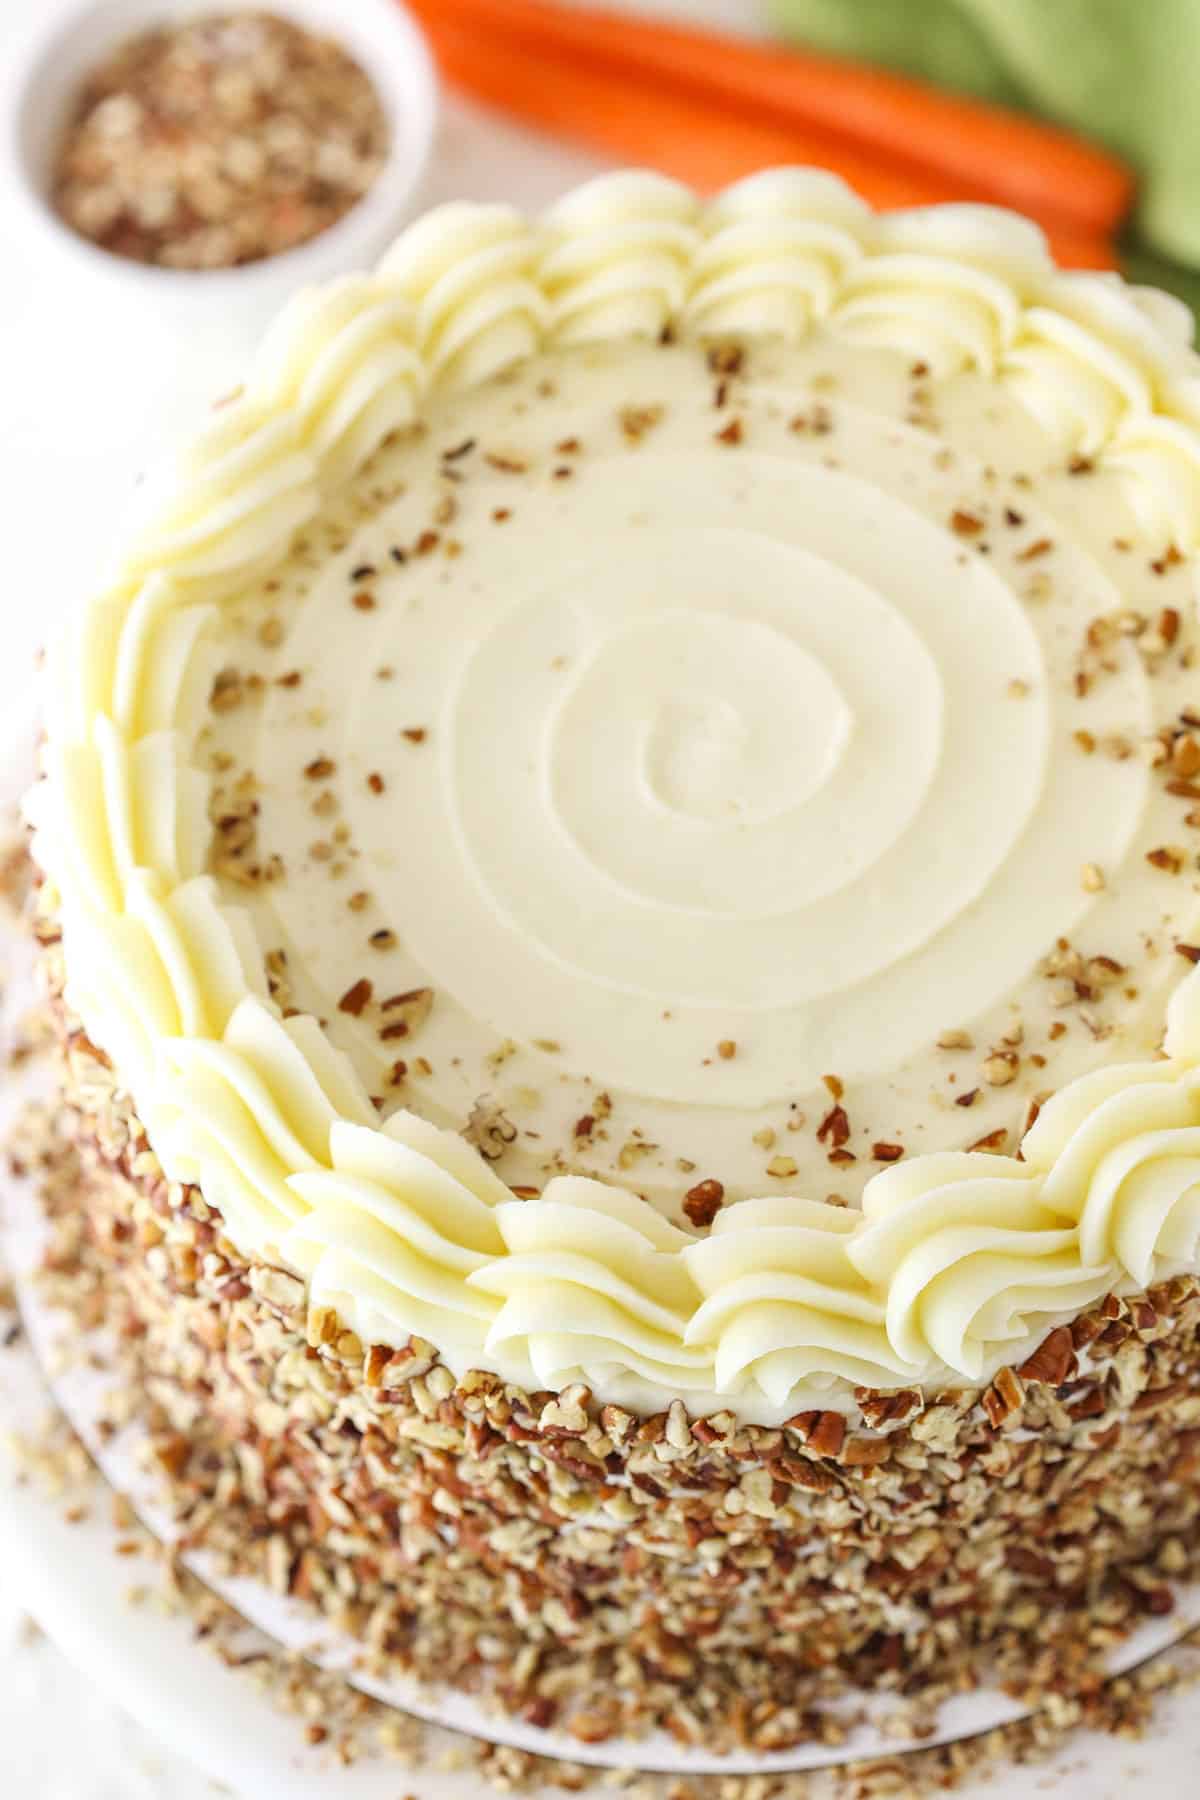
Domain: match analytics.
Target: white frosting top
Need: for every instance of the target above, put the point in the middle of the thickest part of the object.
(667, 766)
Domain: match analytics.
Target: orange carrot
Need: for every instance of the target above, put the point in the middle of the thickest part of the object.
(1072, 248)
(997, 154)
(683, 135)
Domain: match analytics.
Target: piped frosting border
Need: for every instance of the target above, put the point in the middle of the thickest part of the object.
(958, 1262)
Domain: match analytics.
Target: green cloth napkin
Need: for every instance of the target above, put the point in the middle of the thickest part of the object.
(1124, 72)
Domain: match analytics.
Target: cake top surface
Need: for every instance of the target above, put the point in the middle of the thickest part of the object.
(642, 751)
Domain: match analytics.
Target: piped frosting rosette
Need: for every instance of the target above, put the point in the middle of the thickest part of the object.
(970, 1259)
(1093, 357)
(468, 273)
(784, 1303)
(773, 254)
(243, 491)
(955, 1263)
(594, 1282)
(1118, 1152)
(616, 258)
(946, 285)
(400, 1222)
(245, 1114)
(343, 360)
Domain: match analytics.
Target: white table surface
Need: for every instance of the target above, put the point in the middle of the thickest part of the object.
(89, 390)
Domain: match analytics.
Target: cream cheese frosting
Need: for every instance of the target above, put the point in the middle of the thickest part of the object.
(672, 698)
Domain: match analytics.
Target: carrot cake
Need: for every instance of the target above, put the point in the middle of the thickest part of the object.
(620, 887)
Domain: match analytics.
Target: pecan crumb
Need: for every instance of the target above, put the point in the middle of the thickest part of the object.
(1053, 1362)
(489, 1129)
(726, 359)
(702, 1203)
(356, 998)
(636, 421)
(1000, 1068)
(1005, 1397)
(227, 691)
(834, 1128)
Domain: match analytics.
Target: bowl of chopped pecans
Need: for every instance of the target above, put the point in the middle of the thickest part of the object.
(220, 156)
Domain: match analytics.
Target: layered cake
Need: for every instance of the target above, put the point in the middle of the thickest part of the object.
(620, 890)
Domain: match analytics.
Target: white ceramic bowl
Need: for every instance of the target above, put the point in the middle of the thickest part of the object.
(69, 39)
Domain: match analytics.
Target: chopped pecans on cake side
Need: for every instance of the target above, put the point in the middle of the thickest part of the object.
(607, 1573)
(343, 1726)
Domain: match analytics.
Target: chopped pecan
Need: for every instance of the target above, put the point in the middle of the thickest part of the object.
(1053, 1362)
(1154, 1399)
(834, 1128)
(797, 1472)
(879, 1409)
(1005, 1397)
(864, 1452)
(702, 1203)
(821, 1432)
